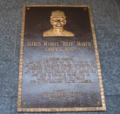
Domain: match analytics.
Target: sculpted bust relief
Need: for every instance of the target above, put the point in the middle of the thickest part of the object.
(58, 20)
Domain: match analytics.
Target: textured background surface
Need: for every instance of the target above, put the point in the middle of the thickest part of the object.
(106, 17)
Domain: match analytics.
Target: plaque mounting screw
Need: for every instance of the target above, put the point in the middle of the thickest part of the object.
(98, 102)
(24, 103)
(85, 9)
(28, 8)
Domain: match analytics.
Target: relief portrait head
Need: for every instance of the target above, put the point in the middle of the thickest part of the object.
(58, 20)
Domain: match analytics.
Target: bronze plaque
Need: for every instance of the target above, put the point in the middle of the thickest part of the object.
(59, 67)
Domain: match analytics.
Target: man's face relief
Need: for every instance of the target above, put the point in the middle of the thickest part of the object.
(58, 19)
(58, 22)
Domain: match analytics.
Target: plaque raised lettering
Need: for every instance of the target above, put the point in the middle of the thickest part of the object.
(59, 67)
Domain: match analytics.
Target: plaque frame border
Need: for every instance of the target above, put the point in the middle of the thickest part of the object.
(67, 109)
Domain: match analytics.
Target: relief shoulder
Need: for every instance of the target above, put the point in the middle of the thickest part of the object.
(47, 33)
(68, 33)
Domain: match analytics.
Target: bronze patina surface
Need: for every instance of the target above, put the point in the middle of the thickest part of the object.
(59, 66)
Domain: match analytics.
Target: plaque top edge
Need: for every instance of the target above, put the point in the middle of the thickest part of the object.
(54, 5)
